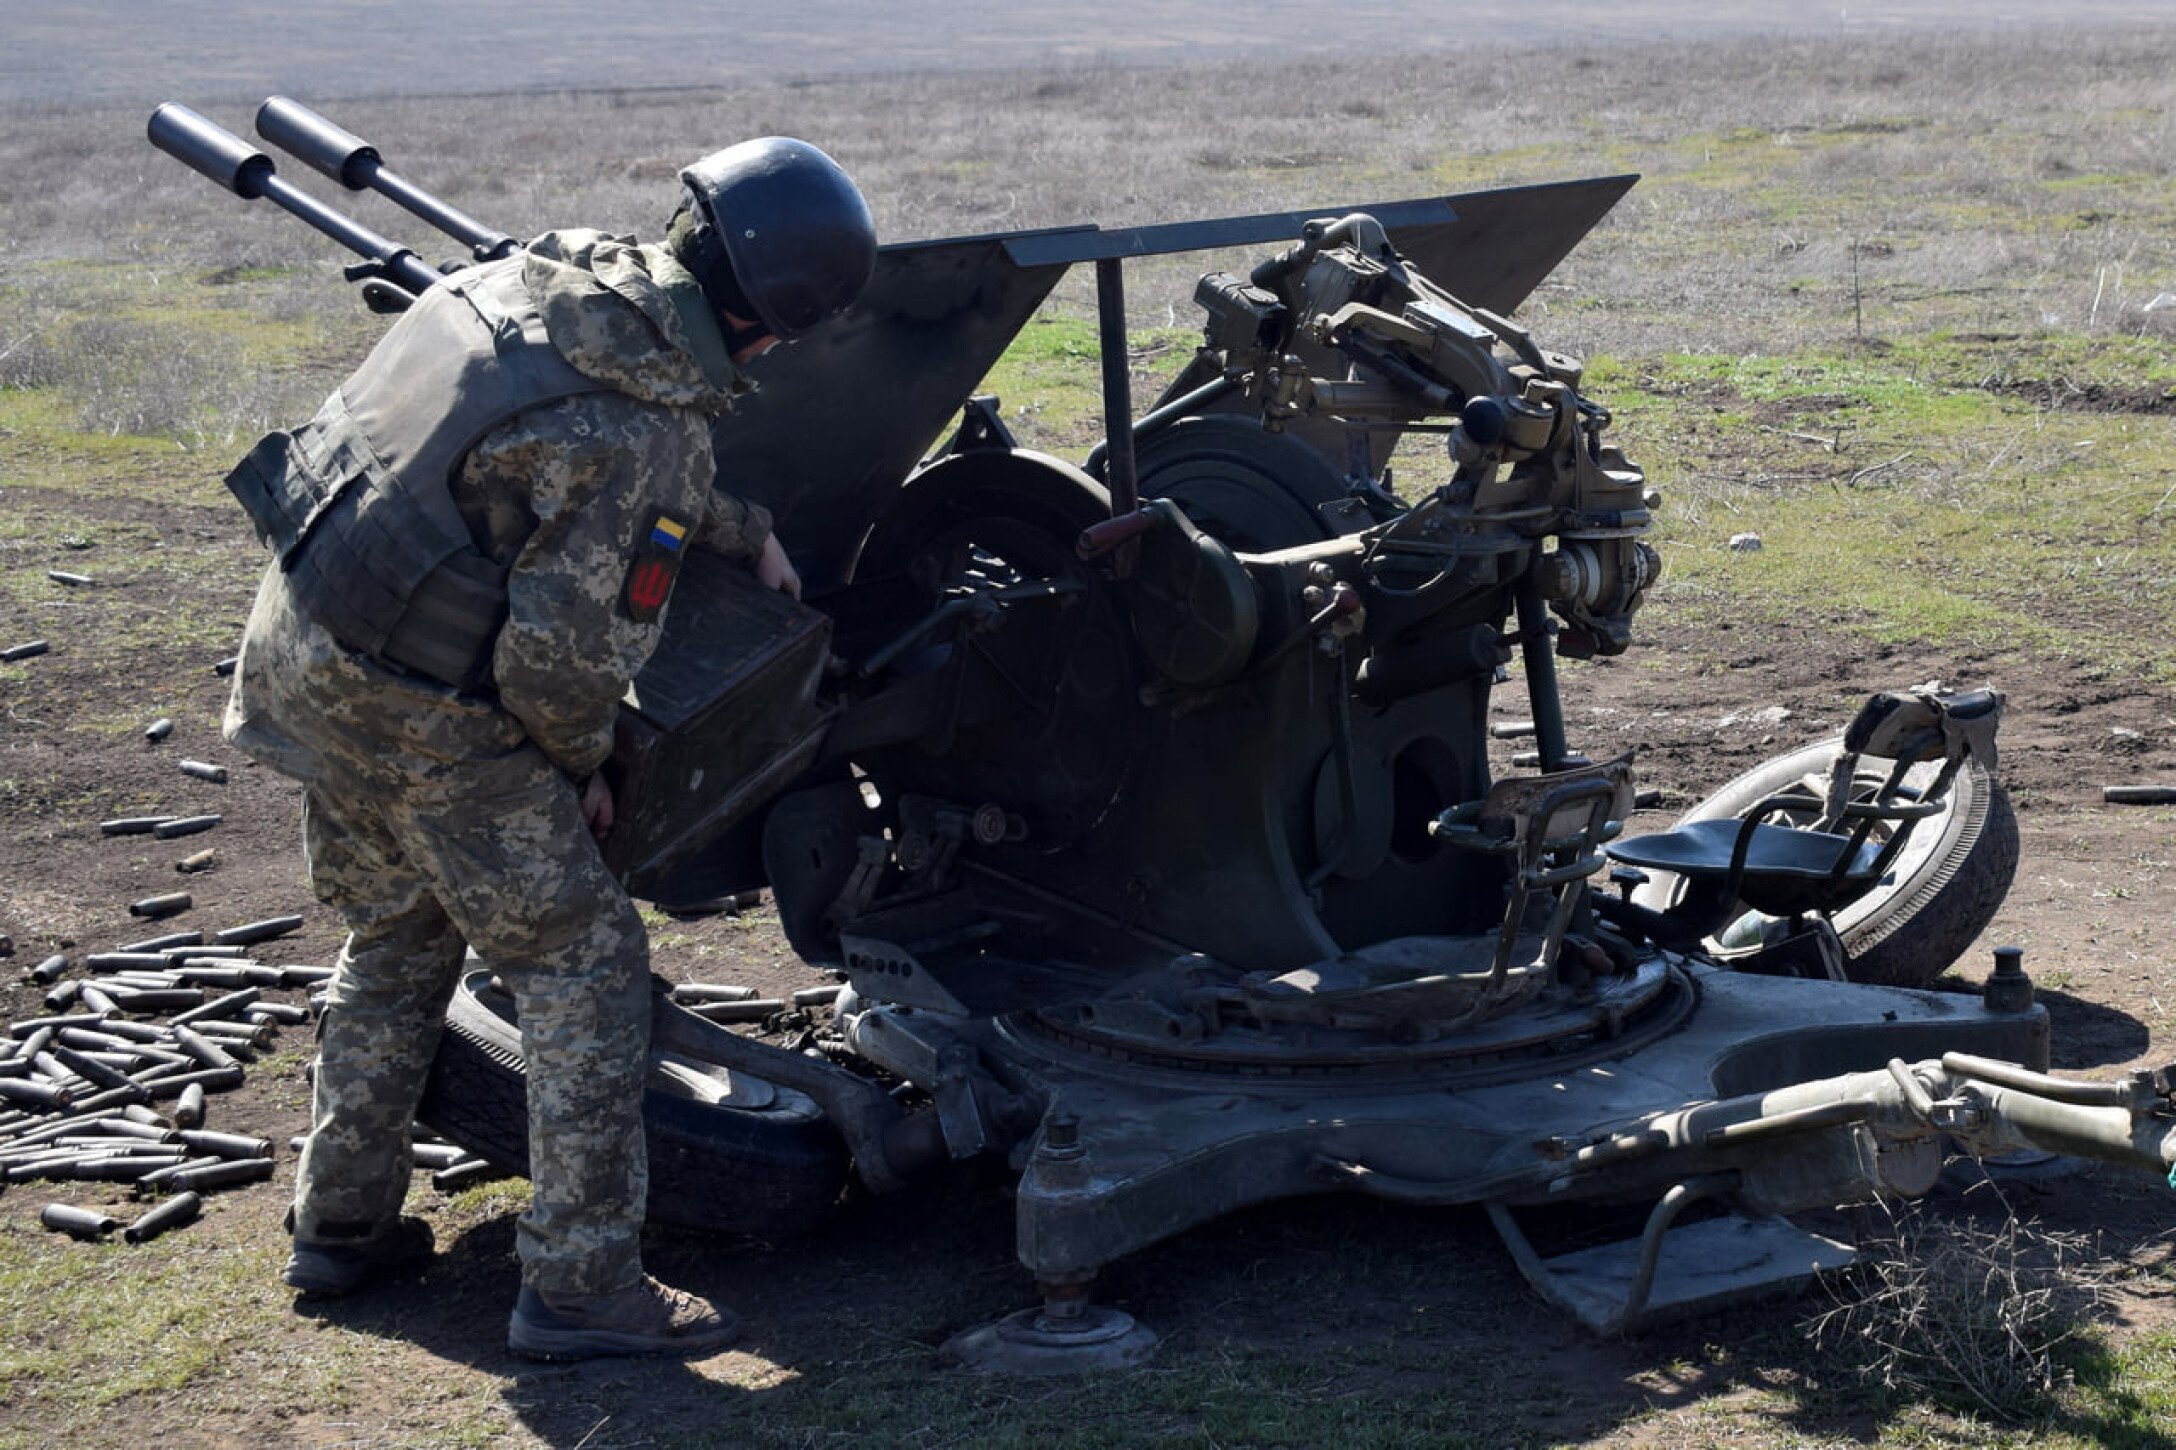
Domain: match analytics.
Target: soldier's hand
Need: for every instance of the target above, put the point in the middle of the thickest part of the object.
(776, 570)
(597, 805)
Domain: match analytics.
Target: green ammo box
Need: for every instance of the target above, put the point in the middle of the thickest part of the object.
(721, 719)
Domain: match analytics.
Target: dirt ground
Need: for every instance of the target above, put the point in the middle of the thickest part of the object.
(2090, 906)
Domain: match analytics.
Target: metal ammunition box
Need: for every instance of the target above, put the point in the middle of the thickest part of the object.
(723, 715)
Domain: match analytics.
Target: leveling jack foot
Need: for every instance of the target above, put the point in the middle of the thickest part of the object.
(1063, 1337)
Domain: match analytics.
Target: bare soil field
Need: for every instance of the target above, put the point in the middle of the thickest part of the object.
(1337, 1281)
(1336, 1320)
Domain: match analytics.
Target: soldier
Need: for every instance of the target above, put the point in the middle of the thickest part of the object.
(477, 538)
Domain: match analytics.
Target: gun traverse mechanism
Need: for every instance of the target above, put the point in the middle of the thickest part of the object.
(1145, 804)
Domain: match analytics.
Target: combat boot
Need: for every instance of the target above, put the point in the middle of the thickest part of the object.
(647, 1319)
(331, 1270)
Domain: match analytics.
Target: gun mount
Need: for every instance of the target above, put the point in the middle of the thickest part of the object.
(1144, 805)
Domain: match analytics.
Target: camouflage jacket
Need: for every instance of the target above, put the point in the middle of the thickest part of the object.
(559, 495)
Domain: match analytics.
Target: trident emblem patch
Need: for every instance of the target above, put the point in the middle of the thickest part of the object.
(656, 564)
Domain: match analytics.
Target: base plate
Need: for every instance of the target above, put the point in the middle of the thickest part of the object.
(1035, 1342)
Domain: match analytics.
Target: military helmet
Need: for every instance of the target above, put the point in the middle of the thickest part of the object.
(775, 231)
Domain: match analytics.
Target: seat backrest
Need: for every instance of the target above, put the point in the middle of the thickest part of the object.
(1907, 730)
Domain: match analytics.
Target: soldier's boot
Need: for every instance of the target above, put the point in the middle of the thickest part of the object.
(330, 1270)
(648, 1319)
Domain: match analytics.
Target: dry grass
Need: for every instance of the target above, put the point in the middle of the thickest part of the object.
(1980, 1317)
(1987, 182)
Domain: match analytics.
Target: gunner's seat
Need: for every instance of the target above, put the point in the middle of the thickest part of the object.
(1845, 839)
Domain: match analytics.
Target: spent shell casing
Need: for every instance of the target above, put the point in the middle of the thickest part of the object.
(33, 1093)
(261, 974)
(30, 1027)
(120, 1127)
(141, 1032)
(211, 1079)
(189, 1107)
(111, 1098)
(72, 580)
(135, 979)
(279, 1014)
(156, 999)
(51, 1128)
(203, 770)
(227, 666)
(817, 996)
(113, 1168)
(218, 1007)
(133, 825)
(295, 975)
(47, 972)
(463, 1172)
(2138, 795)
(160, 1179)
(232, 1035)
(82, 1223)
(125, 961)
(753, 1010)
(184, 826)
(158, 730)
(171, 903)
(223, 1175)
(139, 1114)
(252, 932)
(202, 1048)
(91, 1039)
(224, 975)
(197, 862)
(225, 1145)
(97, 1001)
(92, 1071)
(63, 995)
(198, 951)
(435, 1156)
(181, 1209)
(712, 992)
(158, 945)
(28, 649)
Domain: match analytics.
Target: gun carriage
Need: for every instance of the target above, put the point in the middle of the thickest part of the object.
(1143, 804)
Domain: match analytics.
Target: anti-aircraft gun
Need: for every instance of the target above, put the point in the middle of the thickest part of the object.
(1144, 805)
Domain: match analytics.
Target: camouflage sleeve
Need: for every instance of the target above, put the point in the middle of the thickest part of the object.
(596, 472)
(734, 527)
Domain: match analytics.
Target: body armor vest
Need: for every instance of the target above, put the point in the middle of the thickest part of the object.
(358, 502)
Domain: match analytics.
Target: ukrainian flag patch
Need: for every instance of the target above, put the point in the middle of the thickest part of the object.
(650, 574)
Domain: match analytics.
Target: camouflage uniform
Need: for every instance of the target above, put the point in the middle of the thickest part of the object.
(436, 821)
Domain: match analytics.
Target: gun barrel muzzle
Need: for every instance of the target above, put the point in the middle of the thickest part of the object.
(210, 149)
(325, 148)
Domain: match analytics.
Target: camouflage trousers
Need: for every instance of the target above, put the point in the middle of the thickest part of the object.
(503, 863)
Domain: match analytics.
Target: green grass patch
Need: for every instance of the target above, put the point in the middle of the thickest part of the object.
(1928, 495)
(1050, 379)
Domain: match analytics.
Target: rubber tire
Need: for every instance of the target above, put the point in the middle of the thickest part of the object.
(1947, 885)
(770, 1173)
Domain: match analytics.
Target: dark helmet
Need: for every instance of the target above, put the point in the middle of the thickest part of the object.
(775, 231)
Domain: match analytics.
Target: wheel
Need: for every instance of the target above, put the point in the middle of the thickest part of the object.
(1943, 890)
(1046, 715)
(1253, 490)
(746, 1157)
